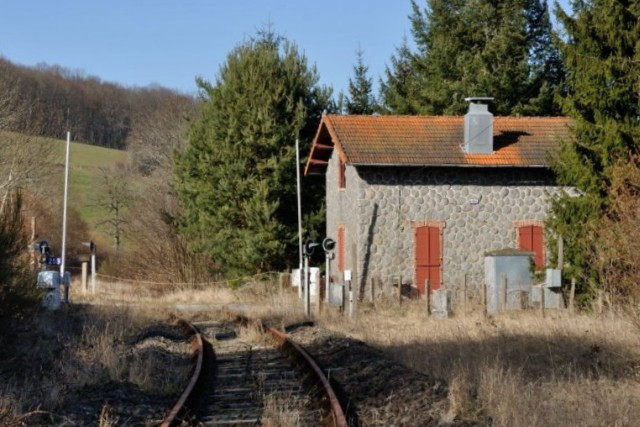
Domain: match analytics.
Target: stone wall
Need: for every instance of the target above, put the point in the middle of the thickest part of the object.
(479, 208)
(341, 209)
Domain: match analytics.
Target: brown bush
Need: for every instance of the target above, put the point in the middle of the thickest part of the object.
(619, 236)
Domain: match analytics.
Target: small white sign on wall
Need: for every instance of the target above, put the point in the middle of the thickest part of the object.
(347, 275)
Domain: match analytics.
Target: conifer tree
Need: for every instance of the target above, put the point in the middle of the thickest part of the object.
(603, 70)
(237, 179)
(478, 48)
(361, 99)
(546, 70)
(398, 90)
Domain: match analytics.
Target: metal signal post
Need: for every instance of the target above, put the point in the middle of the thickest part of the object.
(308, 248)
(64, 221)
(329, 245)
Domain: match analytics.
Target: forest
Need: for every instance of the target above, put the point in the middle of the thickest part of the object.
(48, 100)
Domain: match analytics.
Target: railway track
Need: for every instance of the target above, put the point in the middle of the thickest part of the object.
(248, 374)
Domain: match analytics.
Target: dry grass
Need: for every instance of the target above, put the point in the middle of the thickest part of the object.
(65, 352)
(280, 411)
(105, 417)
(516, 369)
(510, 370)
(142, 293)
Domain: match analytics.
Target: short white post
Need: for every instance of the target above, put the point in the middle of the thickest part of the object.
(306, 293)
(93, 273)
(348, 284)
(84, 277)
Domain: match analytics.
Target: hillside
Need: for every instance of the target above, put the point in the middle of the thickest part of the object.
(88, 165)
(45, 99)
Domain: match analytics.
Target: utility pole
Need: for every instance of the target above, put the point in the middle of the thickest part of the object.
(64, 221)
(298, 186)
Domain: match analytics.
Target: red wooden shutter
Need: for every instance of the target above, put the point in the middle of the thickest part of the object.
(342, 169)
(341, 248)
(428, 265)
(531, 238)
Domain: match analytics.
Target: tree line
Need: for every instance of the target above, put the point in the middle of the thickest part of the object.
(48, 100)
(463, 48)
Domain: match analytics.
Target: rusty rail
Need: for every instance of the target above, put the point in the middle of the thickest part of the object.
(339, 418)
(198, 346)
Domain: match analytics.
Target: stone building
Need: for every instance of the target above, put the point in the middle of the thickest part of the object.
(425, 197)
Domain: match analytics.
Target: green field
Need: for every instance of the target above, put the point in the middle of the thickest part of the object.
(88, 164)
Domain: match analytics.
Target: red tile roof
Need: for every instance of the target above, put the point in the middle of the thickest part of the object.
(433, 141)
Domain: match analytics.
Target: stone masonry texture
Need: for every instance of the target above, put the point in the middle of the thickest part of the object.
(478, 208)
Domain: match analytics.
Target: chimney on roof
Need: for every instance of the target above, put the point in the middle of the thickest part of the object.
(478, 127)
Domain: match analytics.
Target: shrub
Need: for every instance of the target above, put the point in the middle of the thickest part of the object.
(18, 293)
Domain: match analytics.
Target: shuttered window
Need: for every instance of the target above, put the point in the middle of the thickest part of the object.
(531, 238)
(341, 248)
(342, 169)
(428, 260)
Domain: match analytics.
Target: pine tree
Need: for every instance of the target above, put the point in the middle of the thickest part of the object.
(361, 99)
(546, 70)
(237, 179)
(398, 91)
(603, 70)
(477, 48)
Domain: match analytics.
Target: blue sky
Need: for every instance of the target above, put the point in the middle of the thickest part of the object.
(142, 42)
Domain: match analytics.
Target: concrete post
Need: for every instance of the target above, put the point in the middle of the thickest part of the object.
(427, 293)
(93, 273)
(485, 309)
(327, 282)
(572, 296)
(348, 283)
(503, 293)
(84, 277)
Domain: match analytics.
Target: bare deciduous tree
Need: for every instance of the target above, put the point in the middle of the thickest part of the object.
(22, 163)
(161, 252)
(619, 236)
(12, 110)
(159, 128)
(114, 196)
(22, 157)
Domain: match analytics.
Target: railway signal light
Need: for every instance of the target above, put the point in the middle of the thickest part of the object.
(328, 244)
(309, 246)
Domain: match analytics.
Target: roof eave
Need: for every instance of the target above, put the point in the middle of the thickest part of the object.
(455, 165)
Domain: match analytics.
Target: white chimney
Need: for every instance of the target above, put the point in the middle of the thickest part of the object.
(478, 127)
